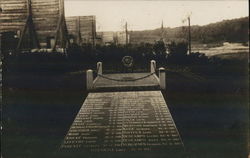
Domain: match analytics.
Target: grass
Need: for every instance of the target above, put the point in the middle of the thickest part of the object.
(209, 108)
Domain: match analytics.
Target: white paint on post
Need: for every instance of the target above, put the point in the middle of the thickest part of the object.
(99, 68)
(89, 79)
(162, 77)
(152, 66)
(52, 42)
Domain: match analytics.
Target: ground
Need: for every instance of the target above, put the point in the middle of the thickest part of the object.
(229, 48)
(210, 111)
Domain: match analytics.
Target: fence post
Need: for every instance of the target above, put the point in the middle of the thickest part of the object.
(152, 66)
(162, 78)
(99, 68)
(89, 79)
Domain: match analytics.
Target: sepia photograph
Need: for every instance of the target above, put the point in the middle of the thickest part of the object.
(124, 79)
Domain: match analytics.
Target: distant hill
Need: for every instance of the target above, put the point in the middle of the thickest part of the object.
(235, 30)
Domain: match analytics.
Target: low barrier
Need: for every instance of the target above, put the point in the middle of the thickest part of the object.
(161, 78)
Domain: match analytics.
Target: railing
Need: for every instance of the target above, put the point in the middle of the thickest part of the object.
(161, 79)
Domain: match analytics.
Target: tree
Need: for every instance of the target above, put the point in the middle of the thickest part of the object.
(159, 48)
(178, 49)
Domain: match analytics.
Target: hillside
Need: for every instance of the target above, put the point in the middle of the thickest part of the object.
(235, 30)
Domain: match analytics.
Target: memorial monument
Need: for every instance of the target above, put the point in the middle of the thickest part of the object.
(124, 123)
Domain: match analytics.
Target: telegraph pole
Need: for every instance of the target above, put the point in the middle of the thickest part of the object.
(93, 33)
(1, 46)
(189, 35)
(126, 31)
(162, 31)
(78, 28)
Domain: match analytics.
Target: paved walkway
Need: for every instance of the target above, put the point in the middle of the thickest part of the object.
(125, 122)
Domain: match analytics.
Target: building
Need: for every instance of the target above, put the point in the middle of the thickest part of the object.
(36, 23)
(13, 15)
(121, 38)
(108, 37)
(99, 38)
(82, 29)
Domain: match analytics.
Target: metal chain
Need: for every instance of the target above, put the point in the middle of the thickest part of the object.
(128, 80)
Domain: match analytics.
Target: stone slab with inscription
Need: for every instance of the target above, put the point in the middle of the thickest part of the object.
(135, 123)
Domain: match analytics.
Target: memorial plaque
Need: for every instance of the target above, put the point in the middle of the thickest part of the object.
(123, 122)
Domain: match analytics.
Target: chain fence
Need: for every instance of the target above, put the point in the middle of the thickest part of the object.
(126, 80)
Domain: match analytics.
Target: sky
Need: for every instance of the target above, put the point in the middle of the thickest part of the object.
(145, 15)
